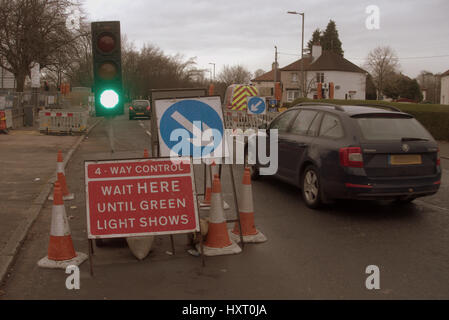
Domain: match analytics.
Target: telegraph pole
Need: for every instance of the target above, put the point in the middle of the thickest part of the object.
(275, 65)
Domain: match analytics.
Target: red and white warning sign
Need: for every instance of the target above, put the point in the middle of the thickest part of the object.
(126, 198)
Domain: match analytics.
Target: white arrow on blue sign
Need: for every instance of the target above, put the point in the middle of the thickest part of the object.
(256, 105)
(190, 127)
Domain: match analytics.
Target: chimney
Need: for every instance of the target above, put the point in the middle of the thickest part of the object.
(316, 51)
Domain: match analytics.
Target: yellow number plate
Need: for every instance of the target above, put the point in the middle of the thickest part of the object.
(405, 159)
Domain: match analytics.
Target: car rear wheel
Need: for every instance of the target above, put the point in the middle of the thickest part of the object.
(311, 189)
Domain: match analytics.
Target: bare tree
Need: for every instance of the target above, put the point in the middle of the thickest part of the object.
(234, 74)
(382, 63)
(34, 31)
(258, 73)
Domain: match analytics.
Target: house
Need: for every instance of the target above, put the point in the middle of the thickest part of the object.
(265, 82)
(444, 96)
(337, 77)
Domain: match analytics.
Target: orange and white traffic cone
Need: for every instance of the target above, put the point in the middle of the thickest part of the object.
(61, 252)
(146, 154)
(61, 179)
(218, 241)
(215, 172)
(246, 208)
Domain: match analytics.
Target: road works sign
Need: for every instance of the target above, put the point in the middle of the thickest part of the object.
(190, 127)
(126, 198)
(256, 105)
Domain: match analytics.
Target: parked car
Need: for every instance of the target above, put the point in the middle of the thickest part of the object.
(140, 109)
(355, 152)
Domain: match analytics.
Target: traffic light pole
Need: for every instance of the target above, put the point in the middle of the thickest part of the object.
(110, 133)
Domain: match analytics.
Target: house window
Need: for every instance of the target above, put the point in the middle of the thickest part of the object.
(292, 95)
(294, 77)
(320, 77)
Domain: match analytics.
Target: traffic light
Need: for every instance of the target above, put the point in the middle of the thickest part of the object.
(107, 58)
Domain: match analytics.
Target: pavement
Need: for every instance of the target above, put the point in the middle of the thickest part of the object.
(27, 168)
(309, 254)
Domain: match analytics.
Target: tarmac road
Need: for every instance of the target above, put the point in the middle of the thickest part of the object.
(309, 254)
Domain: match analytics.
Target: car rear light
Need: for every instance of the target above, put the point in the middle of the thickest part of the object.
(131, 108)
(351, 157)
(438, 158)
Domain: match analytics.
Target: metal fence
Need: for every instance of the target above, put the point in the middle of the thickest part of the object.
(22, 108)
(243, 120)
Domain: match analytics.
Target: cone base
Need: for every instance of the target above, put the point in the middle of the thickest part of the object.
(233, 248)
(70, 196)
(259, 237)
(140, 246)
(52, 264)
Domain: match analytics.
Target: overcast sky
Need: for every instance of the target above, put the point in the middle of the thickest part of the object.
(246, 31)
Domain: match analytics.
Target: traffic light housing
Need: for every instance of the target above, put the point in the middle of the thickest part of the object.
(107, 68)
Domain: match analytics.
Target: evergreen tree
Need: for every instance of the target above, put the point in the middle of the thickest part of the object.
(316, 38)
(330, 40)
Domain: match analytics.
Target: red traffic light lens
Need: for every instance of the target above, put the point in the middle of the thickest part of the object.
(106, 43)
(107, 71)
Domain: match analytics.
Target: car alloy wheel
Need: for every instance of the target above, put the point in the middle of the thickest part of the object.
(311, 188)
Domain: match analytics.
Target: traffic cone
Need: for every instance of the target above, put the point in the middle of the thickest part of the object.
(246, 208)
(215, 172)
(218, 241)
(61, 179)
(61, 252)
(146, 154)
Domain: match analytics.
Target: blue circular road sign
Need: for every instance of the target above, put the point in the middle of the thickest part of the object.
(256, 105)
(184, 115)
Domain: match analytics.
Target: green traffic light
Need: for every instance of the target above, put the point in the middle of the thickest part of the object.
(109, 99)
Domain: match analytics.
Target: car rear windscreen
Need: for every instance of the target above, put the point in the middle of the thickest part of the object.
(391, 128)
(140, 103)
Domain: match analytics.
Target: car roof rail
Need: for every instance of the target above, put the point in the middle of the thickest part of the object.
(336, 106)
(381, 106)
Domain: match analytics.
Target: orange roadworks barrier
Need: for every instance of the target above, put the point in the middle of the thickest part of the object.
(62, 180)
(218, 242)
(61, 252)
(246, 208)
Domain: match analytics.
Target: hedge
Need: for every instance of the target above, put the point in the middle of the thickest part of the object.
(435, 117)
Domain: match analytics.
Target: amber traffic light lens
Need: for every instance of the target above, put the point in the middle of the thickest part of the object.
(107, 71)
(106, 43)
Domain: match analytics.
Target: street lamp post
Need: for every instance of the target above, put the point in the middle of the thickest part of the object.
(214, 69)
(302, 50)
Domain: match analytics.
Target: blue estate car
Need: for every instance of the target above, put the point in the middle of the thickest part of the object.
(355, 152)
